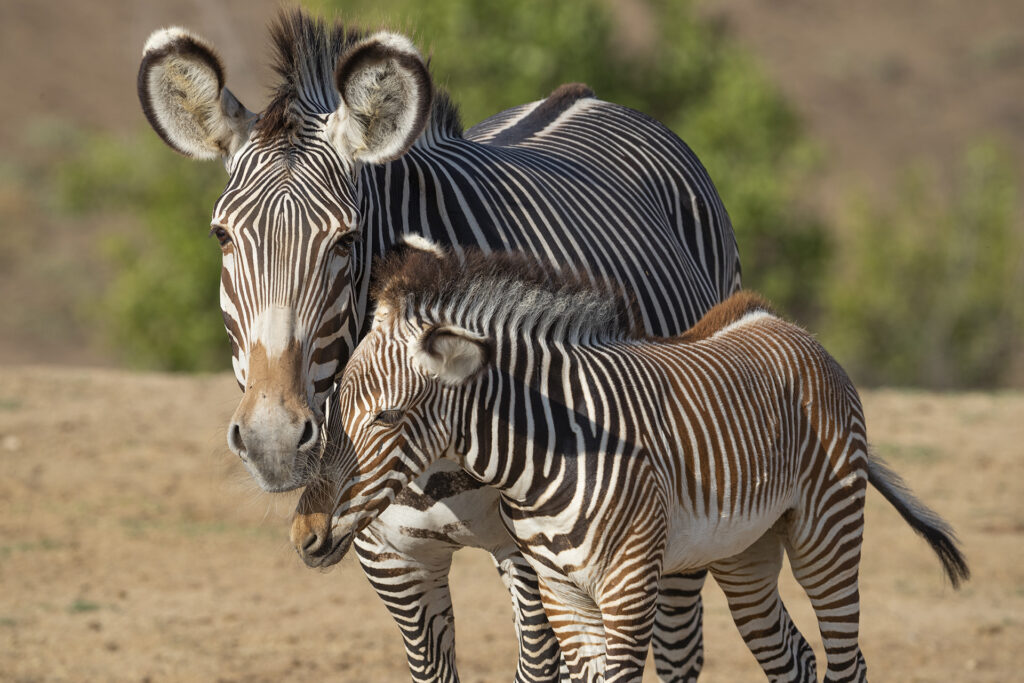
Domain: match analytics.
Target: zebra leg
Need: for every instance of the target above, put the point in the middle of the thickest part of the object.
(824, 553)
(750, 581)
(576, 621)
(415, 592)
(678, 641)
(539, 656)
(628, 619)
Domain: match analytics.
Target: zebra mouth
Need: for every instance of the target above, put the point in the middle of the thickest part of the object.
(328, 554)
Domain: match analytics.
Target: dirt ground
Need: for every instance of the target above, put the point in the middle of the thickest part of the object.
(133, 547)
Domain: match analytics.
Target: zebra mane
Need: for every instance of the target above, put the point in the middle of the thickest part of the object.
(306, 54)
(725, 313)
(475, 290)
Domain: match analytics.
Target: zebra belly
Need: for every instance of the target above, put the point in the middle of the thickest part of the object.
(695, 541)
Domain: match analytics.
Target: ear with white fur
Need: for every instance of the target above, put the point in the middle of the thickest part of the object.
(413, 242)
(386, 93)
(181, 88)
(452, 354)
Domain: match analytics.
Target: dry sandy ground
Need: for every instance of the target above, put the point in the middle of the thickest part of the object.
(133, 547)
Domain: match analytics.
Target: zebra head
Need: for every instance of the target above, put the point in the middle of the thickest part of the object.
(289, 218)
(399, 403)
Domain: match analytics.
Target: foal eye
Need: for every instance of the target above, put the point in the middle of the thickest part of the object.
(388, 417)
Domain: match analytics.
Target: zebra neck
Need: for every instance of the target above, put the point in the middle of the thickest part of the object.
(527, 428)
(431, 191)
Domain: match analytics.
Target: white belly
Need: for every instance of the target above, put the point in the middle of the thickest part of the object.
(695, 542)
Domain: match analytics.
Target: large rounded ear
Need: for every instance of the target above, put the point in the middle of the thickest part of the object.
(452, 354)
(386, 94)
(181, 88)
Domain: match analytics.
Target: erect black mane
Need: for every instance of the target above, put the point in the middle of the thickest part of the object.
(306, 54)
(530, 294)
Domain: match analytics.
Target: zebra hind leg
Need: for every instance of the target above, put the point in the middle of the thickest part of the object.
(678, 642)
(415, 592)
(540, 659)
(824, 554)
(750, 581)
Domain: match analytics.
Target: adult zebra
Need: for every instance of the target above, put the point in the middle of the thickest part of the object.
(622, 455)
(355, 150)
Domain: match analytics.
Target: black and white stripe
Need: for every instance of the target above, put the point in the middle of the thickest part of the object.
(620, 457)
(316, 191)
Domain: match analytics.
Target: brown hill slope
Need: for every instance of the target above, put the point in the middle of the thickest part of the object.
(882, 83)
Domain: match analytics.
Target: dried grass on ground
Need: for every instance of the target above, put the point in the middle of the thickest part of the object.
(133, 547)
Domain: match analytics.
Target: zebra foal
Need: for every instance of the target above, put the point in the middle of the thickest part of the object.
(621, 457)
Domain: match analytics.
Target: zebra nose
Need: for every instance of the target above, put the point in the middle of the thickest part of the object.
(307, 440)
(312, 543)
(235, 442)
(310, 435)
(311, 531)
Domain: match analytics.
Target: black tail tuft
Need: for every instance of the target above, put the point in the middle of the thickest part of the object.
(921, 519)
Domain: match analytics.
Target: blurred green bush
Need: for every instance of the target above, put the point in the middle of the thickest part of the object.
(921, 291)
(926, 290)
(160, 310)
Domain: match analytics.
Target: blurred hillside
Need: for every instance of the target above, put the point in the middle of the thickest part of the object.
(68, 69)
(884, 83)
(911, 111)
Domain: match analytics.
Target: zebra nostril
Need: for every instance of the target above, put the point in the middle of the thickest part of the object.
(309, 435)
(235, 442)
(312, 543)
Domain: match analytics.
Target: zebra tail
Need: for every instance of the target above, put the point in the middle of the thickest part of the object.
(921, 519)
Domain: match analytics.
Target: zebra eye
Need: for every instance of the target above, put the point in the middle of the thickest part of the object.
(223, 238)
(346, 241)
(388, 418)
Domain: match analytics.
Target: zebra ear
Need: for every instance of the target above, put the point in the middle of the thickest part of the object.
(181, 88)
(452, 354)
(386, 94)
(419, 243)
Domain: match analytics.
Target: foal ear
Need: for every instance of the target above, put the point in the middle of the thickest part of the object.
(420, 244)
(386, 94)
(452, 354)
(181, 88)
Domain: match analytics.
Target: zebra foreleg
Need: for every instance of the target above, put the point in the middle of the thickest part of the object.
(415, 592)
(678, 641)
(750, 581)
(627, 611)
(576, 621)
(539, 656)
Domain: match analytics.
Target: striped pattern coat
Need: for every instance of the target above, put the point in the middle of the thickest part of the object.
(619, 456)
(357, 149)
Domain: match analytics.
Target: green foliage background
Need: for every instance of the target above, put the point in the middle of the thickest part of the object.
(922, 291)
(160, 309)
(926, 290)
